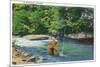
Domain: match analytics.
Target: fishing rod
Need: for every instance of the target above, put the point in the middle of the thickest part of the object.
(62, 49)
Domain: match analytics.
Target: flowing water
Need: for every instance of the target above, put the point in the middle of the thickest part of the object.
(72, 50)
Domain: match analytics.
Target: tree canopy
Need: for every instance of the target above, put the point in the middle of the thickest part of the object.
(43, 19)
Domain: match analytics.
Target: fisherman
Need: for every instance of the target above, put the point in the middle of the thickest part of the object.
(52, 46)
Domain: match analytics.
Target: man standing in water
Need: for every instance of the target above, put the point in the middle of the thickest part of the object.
(52, 46)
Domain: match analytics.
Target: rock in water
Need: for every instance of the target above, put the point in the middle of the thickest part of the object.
(38, 59)
(26, 54)
(35, 59)
(61, 54)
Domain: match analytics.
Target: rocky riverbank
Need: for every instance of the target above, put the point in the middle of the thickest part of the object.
(20, 57)
(17, 57)
(82, 37)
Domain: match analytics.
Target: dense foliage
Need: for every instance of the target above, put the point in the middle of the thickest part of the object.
(37, 19)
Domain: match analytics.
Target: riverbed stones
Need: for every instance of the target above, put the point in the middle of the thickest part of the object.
(35, 59)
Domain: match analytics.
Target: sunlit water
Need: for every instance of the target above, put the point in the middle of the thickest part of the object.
(72, 50)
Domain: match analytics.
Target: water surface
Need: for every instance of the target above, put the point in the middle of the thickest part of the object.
(72, 50)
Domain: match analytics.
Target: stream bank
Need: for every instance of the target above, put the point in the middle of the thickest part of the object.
(81, 37)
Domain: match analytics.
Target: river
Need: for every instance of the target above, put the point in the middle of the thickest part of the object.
(72, 50)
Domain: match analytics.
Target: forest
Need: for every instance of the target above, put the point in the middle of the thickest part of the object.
(37, 19)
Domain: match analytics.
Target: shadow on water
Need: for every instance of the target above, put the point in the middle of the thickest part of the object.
(73, 51)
